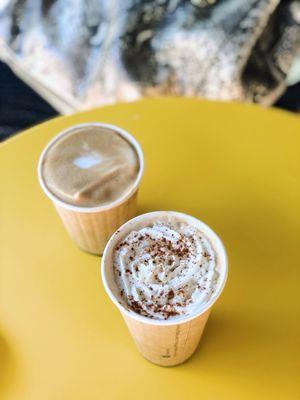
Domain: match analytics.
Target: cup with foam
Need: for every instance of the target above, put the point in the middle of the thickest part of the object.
(92, 172)
(164, 270)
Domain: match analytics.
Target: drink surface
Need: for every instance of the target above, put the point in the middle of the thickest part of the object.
(90, 166)
(165, 270)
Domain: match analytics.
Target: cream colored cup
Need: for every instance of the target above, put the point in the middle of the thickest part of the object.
(91, 227)
(163, 342)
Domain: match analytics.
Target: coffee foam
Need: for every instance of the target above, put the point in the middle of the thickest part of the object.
(90, 166)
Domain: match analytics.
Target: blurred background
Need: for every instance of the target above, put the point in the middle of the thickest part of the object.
(63, 56)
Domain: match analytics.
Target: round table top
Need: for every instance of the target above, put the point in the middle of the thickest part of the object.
(236, 167)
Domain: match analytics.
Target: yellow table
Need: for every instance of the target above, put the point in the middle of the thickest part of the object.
(234, 166)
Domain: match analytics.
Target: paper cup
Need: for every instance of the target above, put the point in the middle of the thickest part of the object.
(163, 342)
(91, 227)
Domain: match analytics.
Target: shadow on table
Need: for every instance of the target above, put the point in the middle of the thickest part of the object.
(6, 366)
(229, 341)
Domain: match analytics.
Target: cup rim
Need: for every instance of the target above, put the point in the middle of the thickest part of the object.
(206, 306)
(122, 132)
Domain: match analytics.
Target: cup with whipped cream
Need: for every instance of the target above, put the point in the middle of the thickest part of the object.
(164, 270)
(91, 172)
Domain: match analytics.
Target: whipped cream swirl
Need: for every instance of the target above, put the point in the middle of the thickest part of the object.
(165, 270)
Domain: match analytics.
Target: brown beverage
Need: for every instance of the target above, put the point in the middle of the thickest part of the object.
(91, 172)
(90, 166)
